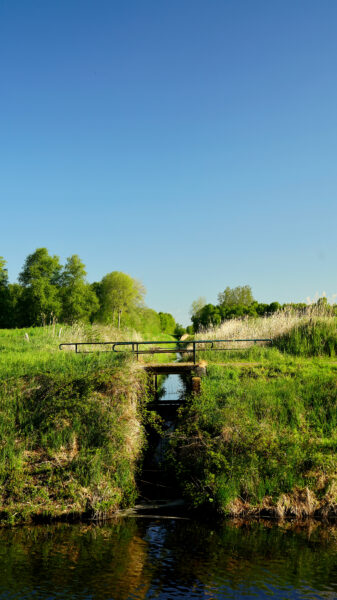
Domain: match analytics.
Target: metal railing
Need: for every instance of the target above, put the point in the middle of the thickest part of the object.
(189, 347)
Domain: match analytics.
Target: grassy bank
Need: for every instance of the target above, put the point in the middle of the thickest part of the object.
(70, 428)
(261, 438)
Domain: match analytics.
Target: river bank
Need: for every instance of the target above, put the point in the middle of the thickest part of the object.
(261, 437)
(71, 434)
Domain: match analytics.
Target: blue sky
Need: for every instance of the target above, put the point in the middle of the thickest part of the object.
(191, 144)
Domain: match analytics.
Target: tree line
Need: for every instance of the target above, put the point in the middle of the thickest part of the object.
(239, 302)
(48, 292)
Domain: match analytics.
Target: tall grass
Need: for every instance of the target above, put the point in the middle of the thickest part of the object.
(70, 426)
(261, 441)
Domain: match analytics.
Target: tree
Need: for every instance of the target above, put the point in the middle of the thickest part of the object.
(179, 330)
(197, 305)
(5, 298)
(242, 294)
(40, 300)
(79, 301)
(15, 290)
(167, 322)
(118, 292)
(208, 316)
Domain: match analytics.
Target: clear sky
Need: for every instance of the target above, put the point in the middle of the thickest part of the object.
(191, 144)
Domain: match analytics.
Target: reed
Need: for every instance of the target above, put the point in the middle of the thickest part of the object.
(312, 333)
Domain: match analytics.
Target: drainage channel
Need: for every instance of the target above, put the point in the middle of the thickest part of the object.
(159, 492)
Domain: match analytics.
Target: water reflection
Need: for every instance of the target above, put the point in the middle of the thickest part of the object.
(135, 558)
(173, 388)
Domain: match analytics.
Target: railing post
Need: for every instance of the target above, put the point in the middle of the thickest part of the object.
(137, 347)
(194, 353)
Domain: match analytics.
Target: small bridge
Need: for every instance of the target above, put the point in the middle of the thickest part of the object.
(187, 347)
(166, 347)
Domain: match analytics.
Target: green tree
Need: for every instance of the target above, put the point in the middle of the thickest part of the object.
(179, 330)
(5, 298)
(15, 290)
(197, 305)
(242, 294)
(167, 322)
(208, 316)
(79, 301)
(40, 301)
(118, 292)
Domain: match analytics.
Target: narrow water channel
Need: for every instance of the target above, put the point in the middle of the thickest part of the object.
(157, 485)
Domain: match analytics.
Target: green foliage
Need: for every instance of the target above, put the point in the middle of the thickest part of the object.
(49, 293)
(40, 301)
(257, 434)
(197, 305)
(167, 323)
(208, 316)
(118, 292)
(79, 301)
(211, 315)
(5, 298)
(143, 319)
(179, 330)
(240, 295)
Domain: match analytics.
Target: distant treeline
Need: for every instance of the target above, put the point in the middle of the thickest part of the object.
(239, 302)
(49, 292)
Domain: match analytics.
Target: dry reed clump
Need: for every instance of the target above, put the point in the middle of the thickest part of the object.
(82, 332)
(135, 436)
(273, 326)
(301, 503)
(298, 504)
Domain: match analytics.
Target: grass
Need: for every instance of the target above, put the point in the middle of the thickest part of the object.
(261, 438)
(35, 350)
(70, 427)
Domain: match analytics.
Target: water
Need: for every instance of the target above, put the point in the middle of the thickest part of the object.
(167, 559)
(172, 389)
